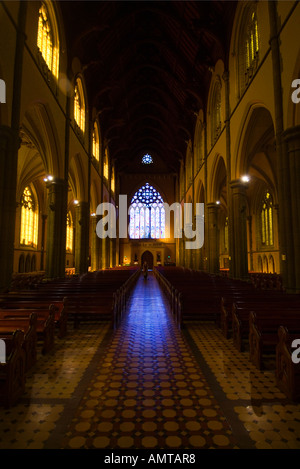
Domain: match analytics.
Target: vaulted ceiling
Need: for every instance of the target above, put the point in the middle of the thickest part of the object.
(147, 69)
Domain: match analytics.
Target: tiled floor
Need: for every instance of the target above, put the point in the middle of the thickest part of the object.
(149, 386)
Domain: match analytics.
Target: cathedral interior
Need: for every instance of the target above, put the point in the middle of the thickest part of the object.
(164, 133)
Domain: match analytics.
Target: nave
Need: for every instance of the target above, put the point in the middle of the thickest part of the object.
(149, 385)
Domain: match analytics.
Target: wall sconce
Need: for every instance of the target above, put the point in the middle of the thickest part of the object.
(76, 202)
(245, 178)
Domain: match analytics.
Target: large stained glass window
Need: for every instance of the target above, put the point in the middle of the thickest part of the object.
(147, 214)
(69, 233)
(29, 219)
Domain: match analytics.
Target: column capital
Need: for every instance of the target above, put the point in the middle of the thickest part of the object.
(212, 206)
(238, 185)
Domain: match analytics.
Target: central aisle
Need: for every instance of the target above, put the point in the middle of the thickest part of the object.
(149, 391)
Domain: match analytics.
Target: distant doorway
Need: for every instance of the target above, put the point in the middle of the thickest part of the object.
(148, 257)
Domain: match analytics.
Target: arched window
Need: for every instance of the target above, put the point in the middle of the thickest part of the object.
(96, 142)
(226, 235)
(147, 214)
(79, 105)
(267, 220)
(69, 234)
(113, 183)
(198, 145)
(47, 38)
(249, 46)
(105, 164)
(216, 118)
(29, 219)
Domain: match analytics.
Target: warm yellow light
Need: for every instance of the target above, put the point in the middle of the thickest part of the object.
(29, 220)
(48, 49)
(69, 233)
(79, 107)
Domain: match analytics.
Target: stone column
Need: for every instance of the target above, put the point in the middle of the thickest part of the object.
(95, 245)
(250, 242)
(228, 163)
(56, 228)
(213, 238)
(44, 219)
(9, 147)
(290, 206)
(239, 256)
(8, 172)
(105, 253)
(82, 238)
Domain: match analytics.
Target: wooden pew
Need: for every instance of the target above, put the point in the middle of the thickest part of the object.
(98, 295)
(44, 323)
(241, 310)
(60, 309)
(263, 332)
(12, 373)
(28, 326)
(287, 372)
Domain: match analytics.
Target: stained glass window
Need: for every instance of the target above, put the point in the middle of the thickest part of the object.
(267, 220)
(69, 234)
(216, 112)
(29, 219)
(249, 49)
(45, 41)
(105, 165)
(112, 182)
(79, 106)
(96, 145)
(252, 41)
(147, 159)
(147, 214)
(226, 235)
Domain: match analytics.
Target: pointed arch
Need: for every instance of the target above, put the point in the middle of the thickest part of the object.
(147, 214)
(48, 38)
(79, 105)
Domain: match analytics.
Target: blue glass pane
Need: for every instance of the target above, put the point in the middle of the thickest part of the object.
(146, 217)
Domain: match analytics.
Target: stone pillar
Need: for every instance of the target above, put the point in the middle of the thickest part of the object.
(213, 238)
(9, 147)
(82, 238)
(290, 206)
(239, 252)
(44, 219)
(8, 173)
(95, 245)
(105, 253)
(251, 267)
(228, 164)
(56, 229)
